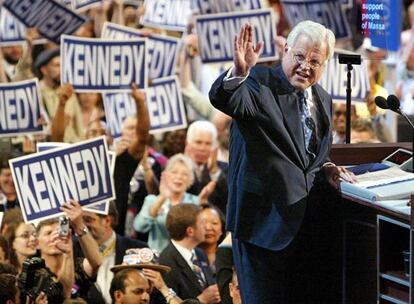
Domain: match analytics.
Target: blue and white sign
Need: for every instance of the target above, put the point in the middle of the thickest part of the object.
(12, 31)
(50, 18)
(334, 80)
(219, 6)
(327, 12)
(216, 34)
(82, 5)
(162, 50)
(381, 21)
(46, 180)
(97, 65)
(20, 108)
(164, 103)
(101, 208)
(167, 14)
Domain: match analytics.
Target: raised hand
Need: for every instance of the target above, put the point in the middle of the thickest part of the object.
(245, 54)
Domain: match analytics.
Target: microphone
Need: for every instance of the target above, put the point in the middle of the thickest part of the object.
(394, 105)
(381, 102)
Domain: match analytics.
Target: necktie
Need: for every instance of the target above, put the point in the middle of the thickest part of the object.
(309, 127)
(198, 271)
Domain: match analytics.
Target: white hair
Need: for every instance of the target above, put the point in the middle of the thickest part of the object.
(315, 32)
(182, 159)
(202, 126)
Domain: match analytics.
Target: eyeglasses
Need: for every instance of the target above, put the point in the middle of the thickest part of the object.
(26, 235)
(301, 60)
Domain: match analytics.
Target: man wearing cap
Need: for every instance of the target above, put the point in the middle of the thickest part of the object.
(135, 278)
(58, 98)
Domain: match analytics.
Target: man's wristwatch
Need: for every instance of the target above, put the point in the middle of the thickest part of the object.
(84, 231)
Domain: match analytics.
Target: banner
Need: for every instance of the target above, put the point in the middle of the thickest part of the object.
(20, 108)
(381, 21)
(101, 208)
(12, 31)
(164, 103)
(216, 34)
(162, 50)
(46, 180)
(167, 14)
(327, 12)
(334, 80)
(82, 5)
(97, 65)
(50, 18)
(219, 6)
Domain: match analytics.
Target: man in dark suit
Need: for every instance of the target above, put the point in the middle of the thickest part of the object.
(190, 275)
(112, 247)
(280, 139)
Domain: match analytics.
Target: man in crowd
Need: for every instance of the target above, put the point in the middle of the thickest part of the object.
(190, 275)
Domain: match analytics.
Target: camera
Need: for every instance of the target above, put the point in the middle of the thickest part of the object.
(63, 226)
(35, 278)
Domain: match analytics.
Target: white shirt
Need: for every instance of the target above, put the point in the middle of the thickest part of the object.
(185, 253)
(105, 275)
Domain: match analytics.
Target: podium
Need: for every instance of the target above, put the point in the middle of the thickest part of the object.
(373, 239)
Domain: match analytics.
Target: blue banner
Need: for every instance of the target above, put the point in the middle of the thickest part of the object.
(382, 23)
(334, 79)
(50, 18)
(219, 6)
(167, 14)
(82, 5)
(118, 106)
(162, 50)
(216, 34)
(20, 108)
(46, 180)
(326, 12)
(12, 31)
(98, 65)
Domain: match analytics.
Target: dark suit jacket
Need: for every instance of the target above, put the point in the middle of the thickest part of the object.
(270, 175)
(181, 278)
(121, 245)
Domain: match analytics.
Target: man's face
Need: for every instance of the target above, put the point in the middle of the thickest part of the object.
(95, 129)
(128, 128)
(200, 146)
(46, 242)
(6, 181)
(304, 62)
(235, 290)
(137, 290)
(200, 229)
(52, 70)
(98, 226)
(12, 54)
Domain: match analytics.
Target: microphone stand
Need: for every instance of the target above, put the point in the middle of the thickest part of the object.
(349, 60)
(412, 136)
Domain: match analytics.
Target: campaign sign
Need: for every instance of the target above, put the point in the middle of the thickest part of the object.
(216, 34)
(81, 5)
(12, 31)
(46, 180)
(50, 18)
(162, 50)
(219, 6)
(334, 80)
(327, 12)
(97, 65)
(101, 208)
(382, 23)
(20, 108)
(165, 105)
(167, 14)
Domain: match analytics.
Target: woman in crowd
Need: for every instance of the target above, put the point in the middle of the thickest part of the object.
(175, 180)
(215, 232)
(22, 239)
